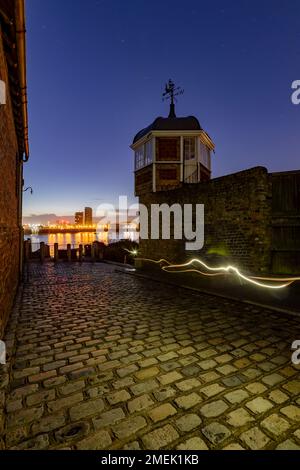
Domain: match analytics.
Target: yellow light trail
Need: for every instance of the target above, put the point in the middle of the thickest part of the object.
(179, 268)
(132, 252)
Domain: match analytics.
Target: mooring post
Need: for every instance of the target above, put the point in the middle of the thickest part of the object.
(100, 253)
(26, 251)
(42, 251)
(80, 253)
(93, 252)
(96, 248)
(56, 252)
(138, 263)
(69, 252)
(29, 247)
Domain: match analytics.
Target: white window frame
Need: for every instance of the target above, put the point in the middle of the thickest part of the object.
(204, 155)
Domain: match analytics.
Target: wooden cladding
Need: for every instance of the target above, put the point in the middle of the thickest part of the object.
(286, 193)
(286, 222)
(167, 174)
(286, 237)
(205, 174)
(143, 178)
(168, 149)
(143, 181)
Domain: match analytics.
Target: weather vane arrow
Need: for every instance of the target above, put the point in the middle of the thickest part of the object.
(171, 91)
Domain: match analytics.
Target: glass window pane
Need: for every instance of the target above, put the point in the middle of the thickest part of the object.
(139, 158)
(149, 155)
(144, 155)
(205, 155)
(189, 148)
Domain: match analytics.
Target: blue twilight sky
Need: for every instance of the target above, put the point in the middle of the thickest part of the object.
(96, 71)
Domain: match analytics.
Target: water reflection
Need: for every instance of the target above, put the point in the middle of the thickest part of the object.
(76, 239)
(64, 239)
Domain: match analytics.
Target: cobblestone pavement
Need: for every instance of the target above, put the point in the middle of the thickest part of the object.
(104, 360)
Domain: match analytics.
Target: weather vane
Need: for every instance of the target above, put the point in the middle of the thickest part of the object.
(170, 94)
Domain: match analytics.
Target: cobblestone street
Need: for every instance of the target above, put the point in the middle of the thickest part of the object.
(105, 360)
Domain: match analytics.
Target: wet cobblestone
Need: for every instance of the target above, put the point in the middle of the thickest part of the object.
(100, 359)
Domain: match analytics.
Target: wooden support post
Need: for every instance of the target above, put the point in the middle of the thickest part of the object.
(69, 253)
(42, 252)
(80, 253)
(56, 252)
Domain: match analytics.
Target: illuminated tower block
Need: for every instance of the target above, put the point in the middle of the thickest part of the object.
(88, 216)
(79, 218)
(171, 151)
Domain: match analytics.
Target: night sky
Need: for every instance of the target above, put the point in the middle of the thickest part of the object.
(96, 72)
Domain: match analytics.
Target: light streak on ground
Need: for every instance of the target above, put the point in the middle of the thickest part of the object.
(222, 270)
(132, 252)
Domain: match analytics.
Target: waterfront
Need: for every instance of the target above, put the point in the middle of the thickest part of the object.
(64, 239)
(76, 239)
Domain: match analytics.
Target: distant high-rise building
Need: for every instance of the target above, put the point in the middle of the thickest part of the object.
(88, 216)
(79, 218)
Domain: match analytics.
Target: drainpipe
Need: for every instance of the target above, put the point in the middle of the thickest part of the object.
(21, 52)
(20, 212)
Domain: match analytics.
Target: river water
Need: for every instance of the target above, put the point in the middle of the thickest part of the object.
(64, 239)
(80, 238)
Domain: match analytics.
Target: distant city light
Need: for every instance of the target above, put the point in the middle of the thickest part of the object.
(106, 233)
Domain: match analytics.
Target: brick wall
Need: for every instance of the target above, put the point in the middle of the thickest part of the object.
(9, 225)
(238, 213)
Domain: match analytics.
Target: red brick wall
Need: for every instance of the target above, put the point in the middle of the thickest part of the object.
(9, 223)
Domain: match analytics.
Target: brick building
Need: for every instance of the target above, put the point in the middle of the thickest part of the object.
(13, 148)
(251, 217)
